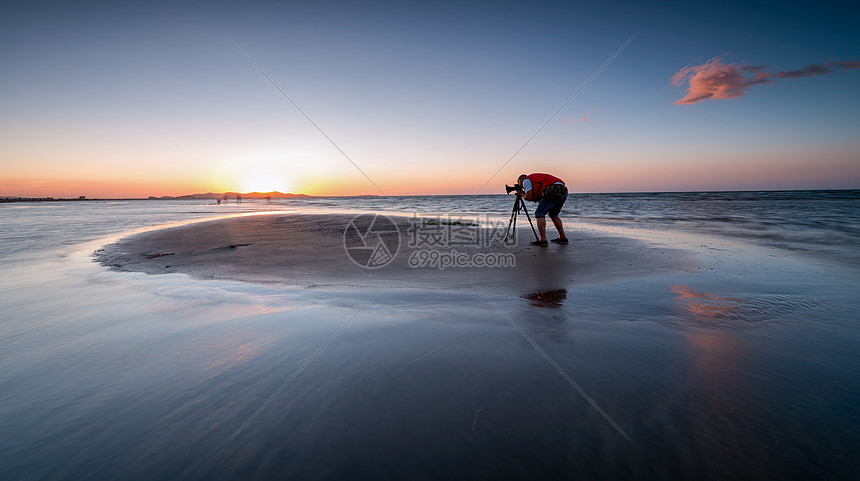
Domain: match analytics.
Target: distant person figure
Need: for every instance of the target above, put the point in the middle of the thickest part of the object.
(550, 193)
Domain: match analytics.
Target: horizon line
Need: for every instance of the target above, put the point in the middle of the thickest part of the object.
(12, 198)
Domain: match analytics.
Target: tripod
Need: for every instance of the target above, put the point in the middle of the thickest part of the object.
(512, 225)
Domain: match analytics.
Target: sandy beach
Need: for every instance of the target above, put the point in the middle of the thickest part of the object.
(311, 251)
(263, 347)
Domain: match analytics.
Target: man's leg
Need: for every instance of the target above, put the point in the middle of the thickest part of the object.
(541, 222)
(557, 223)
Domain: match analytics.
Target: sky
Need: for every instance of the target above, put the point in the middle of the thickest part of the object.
(135, 99)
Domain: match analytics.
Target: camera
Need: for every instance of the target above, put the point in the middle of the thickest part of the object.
(511, 188)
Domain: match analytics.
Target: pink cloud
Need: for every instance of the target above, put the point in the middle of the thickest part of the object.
(585, 118)
(717, 80)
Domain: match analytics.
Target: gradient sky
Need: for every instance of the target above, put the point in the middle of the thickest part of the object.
(107, 100)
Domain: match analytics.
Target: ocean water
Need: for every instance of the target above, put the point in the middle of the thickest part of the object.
(822, 223)
(819, 223)
(745, 368)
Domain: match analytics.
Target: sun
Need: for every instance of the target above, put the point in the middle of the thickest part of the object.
(263, 181)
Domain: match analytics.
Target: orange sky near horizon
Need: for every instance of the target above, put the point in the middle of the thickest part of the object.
(834, 169)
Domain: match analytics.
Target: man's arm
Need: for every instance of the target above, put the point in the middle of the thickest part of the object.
(530, 195)
(529, 192)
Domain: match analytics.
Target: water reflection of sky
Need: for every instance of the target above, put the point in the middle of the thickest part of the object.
(702, 306)
(705, 310)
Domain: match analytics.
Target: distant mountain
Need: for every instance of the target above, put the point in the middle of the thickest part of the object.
(232, 195)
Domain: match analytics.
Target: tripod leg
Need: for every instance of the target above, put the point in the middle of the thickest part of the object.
(530, 219)
(512, 225)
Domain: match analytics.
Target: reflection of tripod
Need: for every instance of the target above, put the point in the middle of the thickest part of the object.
(512, 225)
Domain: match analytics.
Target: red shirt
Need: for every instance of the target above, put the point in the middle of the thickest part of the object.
(540, 182)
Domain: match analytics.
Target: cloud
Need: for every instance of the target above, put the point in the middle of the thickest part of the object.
(586, 114)
(814, 69)
(807, 71)
(717, 80)
(851, 64)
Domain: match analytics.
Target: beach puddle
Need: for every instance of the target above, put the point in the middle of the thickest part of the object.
(703, 309)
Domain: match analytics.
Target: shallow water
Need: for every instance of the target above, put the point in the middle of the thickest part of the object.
(744, 368)
(824, 224)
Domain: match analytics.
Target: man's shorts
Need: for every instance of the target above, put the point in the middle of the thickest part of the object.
(553, 208)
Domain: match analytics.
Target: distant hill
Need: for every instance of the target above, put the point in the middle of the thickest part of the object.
(232, 195)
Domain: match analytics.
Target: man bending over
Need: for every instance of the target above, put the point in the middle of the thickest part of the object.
(550, 193)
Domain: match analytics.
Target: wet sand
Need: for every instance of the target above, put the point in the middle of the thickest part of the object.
(615, 357)
(311, 251)
(717, 358)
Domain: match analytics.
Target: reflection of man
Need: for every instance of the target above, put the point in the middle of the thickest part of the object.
(550, 193)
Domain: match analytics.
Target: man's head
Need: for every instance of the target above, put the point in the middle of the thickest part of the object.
(520, 179)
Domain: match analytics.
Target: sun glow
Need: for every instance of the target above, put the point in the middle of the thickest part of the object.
(263, 181)
(254, 173)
